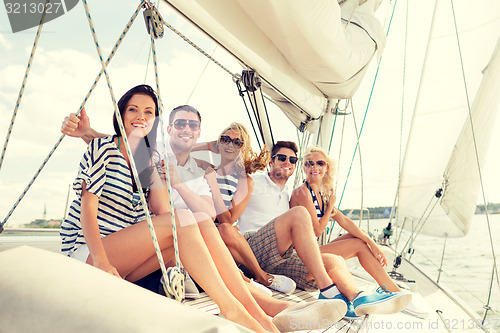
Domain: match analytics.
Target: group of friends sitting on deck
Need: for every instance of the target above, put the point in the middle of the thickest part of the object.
(225, 216)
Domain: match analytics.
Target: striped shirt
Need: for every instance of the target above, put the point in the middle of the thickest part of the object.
(106, 174)
(227, 186)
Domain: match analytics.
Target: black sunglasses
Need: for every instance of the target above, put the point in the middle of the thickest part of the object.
(237, 142)
(180, 124)
(319, 163)
(282, 158)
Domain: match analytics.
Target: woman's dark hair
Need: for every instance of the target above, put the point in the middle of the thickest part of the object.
(142, 89)
(143, 155)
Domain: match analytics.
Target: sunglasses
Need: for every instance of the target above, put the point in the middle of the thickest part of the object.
(180, 124)
(282, 158)
(237, 142)
(318, 163)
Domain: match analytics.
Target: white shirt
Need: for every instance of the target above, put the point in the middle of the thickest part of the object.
(267, 202)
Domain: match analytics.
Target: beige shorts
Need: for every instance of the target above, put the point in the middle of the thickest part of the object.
(81, 254)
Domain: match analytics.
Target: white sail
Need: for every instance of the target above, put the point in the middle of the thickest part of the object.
(441, 112)
(462, 171)
(301, 49)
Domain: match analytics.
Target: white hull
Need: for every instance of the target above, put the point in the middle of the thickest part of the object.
(53, 293)
(44, 291)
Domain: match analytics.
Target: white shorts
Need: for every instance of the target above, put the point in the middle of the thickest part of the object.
(81, 254)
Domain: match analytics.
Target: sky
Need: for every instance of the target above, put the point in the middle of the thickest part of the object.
(66, 64)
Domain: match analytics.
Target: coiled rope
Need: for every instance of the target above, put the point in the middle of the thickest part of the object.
(167, 174)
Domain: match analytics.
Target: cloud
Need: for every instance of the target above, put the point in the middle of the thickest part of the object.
(4, 43)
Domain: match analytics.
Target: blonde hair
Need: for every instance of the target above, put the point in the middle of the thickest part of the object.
(328, 182)
(248, 161)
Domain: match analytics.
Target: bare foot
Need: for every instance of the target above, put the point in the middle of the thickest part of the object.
(264, 320)
(242, 317)
(266, 280)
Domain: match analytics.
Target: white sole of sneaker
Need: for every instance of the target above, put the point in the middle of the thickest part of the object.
(390, 306)
(317, 314)
(192, 295)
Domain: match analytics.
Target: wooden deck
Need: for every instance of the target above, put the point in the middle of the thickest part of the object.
(446, 312)
(206, 304)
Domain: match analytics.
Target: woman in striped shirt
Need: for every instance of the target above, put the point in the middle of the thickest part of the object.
(232, 187)
(105, 226)
(317, 196)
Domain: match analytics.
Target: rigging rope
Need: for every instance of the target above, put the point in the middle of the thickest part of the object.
(235, 77)
(167, 174)
(267, 116)
(23, 85)
(251, 82)
(149, 55)
(199, 49)
(201, 75)
(303, 143)
(111, 54)
(366, 111)
(495, 267)
(335, 122)
(420, 224)
(396, 198)
(254, 107)
(242, 95)
(452, 278)
(341, 145)
(331, 222)
(360, 164)
(127, 146)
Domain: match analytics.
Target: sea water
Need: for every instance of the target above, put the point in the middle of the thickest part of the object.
(467, 262)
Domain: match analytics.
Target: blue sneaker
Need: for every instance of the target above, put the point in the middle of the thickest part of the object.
(350, 314)
(381, 301)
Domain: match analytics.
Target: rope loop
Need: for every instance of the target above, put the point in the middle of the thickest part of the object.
(174, 284)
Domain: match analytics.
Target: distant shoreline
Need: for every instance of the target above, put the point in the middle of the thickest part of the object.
(31, 231)
(374, 213)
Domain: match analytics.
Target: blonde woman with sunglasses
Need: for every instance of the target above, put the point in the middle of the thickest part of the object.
(232, 187)
(317, 195)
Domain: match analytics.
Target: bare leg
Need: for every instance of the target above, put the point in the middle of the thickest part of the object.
(351, 247)
(152, 264)
(228, 270)
(295, 227)
(242, 253)
(129, 248)
(271, 306)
